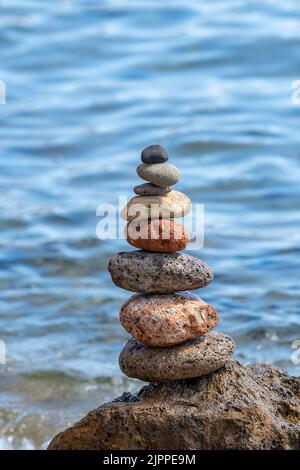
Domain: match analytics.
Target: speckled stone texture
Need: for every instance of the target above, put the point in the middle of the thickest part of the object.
(243, 408)
(172, 205)
(163, 236)
(161, 174)
(149, 189)
(162, 320)
(192, 359)
(150, 273)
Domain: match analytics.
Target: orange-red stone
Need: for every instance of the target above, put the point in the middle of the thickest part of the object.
(163, 235)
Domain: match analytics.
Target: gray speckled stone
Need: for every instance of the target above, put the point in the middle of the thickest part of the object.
(194, 358)
(149, 189)
(149, 273)
(161, 174)
(154, 154)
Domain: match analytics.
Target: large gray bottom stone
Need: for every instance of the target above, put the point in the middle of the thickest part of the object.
(194, 358)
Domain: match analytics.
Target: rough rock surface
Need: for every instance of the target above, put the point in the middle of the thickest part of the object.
(255, 407)
(173, 204)
(194, 358)
(167, 319)
(162, 236)
(149, 273)
(161, 174)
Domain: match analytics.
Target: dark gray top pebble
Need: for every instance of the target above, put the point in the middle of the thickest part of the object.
(154, 154)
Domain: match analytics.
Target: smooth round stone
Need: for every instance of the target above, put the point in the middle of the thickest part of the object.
(161, 174)
(163, 320)
(172, 205)
(154, 154)
(161, 235)
(194, 358)
(150, 273)
(149, 189)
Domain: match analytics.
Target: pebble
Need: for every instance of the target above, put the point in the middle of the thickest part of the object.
(163, 320)
(149, 189)
(161, 235)
(149, 273)
(172, 205)
(161, 174)
(194, 358)
(154, 154)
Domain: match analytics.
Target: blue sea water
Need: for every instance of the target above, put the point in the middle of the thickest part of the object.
(88, 85)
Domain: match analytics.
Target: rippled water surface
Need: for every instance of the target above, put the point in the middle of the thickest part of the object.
(89, 84)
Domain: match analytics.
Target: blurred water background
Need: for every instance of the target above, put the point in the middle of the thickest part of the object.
(89, 84)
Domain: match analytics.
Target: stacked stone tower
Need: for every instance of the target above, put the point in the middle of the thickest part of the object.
(170, 327)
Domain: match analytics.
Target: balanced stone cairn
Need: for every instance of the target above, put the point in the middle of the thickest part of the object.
(170, 327)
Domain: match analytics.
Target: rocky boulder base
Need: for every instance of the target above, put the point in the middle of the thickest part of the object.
(255, 407)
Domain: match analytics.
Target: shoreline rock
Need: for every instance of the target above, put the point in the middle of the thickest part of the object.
(246, 408)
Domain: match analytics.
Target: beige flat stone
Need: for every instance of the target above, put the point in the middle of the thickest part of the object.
(173, 204)
(161, 174)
